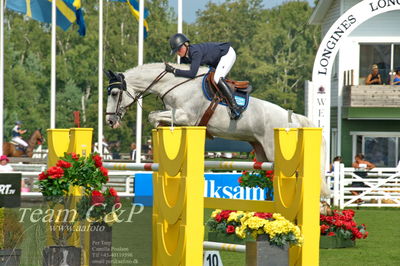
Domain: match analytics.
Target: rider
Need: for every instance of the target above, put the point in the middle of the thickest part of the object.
(16, 134)
(219, 55)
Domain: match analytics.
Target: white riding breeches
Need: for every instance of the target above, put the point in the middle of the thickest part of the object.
(20, 141)
(225, 65)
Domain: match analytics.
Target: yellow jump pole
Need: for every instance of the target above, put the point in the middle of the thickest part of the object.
(178, 225)
(297, 181)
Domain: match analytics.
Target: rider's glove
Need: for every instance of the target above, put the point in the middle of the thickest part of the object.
(169, 68)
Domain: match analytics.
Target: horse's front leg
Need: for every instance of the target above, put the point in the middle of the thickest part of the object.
(177, 116)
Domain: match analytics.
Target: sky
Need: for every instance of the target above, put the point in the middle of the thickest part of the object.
(191, 6)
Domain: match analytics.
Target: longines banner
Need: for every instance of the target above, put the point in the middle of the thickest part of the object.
(10, 190)
(320, 103)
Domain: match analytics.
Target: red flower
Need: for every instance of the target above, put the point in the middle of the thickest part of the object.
(104, 171)
(55, 172)
(230, 229)
(263, 215)
(75, 156)
(225, 214)
(63, 164)
(331, 234)
(97, 160)
(43, 176)
(218, 218)
(323, 228)
(97, 198)
(113, 192)
(240, 180)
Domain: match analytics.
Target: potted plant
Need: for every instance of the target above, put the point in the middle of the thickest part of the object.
(258, 178)
(11, 236)
(60, 185)
(222, 226)
(101, 210)
(272, 232)
(340, 230)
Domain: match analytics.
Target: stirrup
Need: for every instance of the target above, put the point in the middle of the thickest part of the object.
(235, 113)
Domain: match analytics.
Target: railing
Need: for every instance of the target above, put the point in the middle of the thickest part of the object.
(380, 187)
(371, 96)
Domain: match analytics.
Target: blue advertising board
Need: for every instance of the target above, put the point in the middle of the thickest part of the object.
(217, 185)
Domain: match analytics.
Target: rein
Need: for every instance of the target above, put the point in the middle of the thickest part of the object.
(183, 82)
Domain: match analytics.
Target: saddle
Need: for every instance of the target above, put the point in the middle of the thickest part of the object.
(241, 90)
(17, 146)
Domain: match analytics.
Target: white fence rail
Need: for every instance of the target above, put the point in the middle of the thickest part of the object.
(379, 187)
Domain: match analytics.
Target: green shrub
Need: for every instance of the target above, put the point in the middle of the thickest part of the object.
(11, 230)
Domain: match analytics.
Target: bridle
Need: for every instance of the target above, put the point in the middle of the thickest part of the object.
(121, 86)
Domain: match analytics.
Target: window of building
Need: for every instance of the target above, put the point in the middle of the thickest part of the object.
(386, 56)
(380, 148)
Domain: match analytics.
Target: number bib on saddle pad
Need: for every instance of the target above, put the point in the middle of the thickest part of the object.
(240, 89)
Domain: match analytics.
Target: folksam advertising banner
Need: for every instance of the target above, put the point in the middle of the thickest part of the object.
(217, 185)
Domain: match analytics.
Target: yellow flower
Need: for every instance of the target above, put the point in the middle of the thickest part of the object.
(214, 213)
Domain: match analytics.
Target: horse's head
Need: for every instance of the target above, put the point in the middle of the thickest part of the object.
(117, 102)
(37, 136)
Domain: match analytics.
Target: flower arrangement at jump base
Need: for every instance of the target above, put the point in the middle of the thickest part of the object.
(73, 170)
(258, 178)
(340, 229)
(76, 182)
(279, 230)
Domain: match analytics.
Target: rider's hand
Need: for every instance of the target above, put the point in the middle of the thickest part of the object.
(169, 68)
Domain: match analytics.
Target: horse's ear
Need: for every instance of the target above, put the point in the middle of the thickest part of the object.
(110, 74)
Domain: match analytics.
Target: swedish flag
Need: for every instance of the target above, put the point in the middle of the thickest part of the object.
(68, 12)
(134, 7)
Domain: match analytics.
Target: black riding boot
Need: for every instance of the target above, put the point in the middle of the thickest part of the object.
(227, 93)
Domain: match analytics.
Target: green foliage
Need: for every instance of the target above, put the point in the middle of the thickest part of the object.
(101, 207)
(275, 49)
(11, 230)
(73, 170)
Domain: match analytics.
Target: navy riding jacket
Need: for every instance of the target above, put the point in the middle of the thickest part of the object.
(208, 53)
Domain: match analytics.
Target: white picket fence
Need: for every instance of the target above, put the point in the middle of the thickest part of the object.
(379, 187)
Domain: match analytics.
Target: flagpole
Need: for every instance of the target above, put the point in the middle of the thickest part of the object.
(179, 23)
(1, 74)
(53, 65)
(139, 102)
(100, 105)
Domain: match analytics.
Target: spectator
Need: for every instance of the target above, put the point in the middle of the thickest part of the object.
(336, 159)
(396, 80)
(133, 151)
(4, 166)
(361, 166)
(374, 78)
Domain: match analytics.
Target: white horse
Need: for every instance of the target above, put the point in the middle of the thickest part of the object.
(186, 104)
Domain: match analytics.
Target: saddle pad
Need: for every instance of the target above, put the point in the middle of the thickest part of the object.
(242, 98)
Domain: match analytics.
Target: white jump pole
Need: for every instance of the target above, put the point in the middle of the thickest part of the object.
(223, 165)
(224, 246)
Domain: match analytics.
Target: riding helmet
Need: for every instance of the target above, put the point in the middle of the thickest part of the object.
(18, 122)
(176, 41)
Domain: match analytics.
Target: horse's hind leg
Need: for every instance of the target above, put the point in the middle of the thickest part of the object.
(178, 116)
(259, 151)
